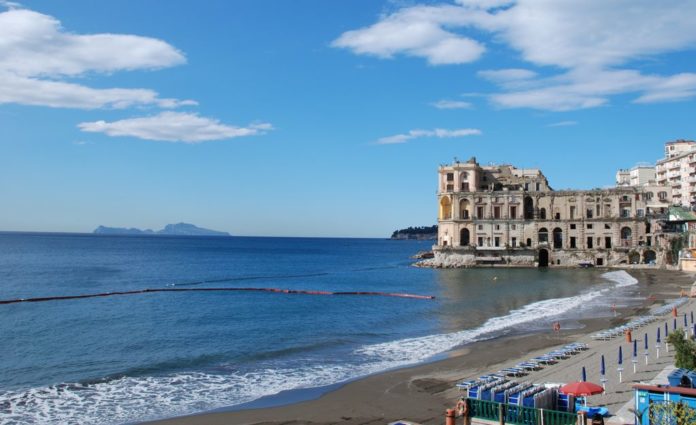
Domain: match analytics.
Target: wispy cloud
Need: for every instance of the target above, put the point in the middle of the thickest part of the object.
(438, 133)
(563, 124)
(37, 55)
(588, 49)
(451, 104)
(174, 127)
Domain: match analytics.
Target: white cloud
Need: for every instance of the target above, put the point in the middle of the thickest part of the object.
(416, 31)
(451, 104)
(174, 127)
(438, 133)
(37, 55)
(563, 124)
(587, 46)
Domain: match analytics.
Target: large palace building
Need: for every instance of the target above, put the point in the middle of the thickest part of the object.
(511, 216)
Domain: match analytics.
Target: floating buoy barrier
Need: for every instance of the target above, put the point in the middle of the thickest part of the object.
(273, 290)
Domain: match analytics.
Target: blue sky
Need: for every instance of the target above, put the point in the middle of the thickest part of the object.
(315, 118)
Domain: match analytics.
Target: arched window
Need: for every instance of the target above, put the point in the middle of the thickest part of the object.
(528, 208)
(557, 238)
(445, 208)
(464, 237)
(464, 213)
(542, 213)
(626, 235)
(543, 235)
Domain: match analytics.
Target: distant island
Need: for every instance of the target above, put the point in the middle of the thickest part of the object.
(420, 233)
(179, 229)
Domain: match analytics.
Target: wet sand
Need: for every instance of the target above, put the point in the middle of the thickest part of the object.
(422, 393)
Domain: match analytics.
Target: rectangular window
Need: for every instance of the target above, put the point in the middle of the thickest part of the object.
(572, 242)
(572, 212)
(496, 212)
(589, 242)
(589, 227)
(538, 186)
(589, 213)
(480, 226)
(572, 227)
(480, 241)
(496, 241)
(513, 227)
(607, 227)
(479, 212)
(514, 242)
(465, 187)
(557, 216)
(598, 211)
(513, 212)
(450, 177)
(526, 186)
(607, 242)
(625, 212)
(497, 227)
(640, 213)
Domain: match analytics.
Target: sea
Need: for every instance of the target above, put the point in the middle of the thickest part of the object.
(131, 358)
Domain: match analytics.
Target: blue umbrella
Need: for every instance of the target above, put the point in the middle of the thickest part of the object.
(646, 341)
(694, 332)
(658, 336)
(584, 374)
(620, 355)
(602, 369)
(666, 330)
(686, 323)
(692, 317)
(635, 348)
(675, 324)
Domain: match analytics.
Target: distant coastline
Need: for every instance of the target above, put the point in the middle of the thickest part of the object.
(178, 229)
(419, 233)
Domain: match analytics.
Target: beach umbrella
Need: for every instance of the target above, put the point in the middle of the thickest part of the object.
(686, 323)
(603, 372)
(645, 343)
(666, 334)
(692, 317)
(581, 389)
(674, 325)
(634, 360)
(693, 331)
(620, 368)
(584, 374)
(658, 342)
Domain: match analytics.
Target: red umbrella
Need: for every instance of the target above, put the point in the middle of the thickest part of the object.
(581, 389)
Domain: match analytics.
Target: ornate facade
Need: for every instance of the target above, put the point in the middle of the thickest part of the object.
(506, 215)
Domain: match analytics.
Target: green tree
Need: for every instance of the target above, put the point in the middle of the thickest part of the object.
(671, 413)
(685, 350)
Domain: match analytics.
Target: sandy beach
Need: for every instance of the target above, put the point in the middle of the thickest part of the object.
(422, 393)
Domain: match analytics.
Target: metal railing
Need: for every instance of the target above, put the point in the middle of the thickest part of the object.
(519, 415)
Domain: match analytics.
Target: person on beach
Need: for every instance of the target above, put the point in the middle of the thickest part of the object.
(463, 410)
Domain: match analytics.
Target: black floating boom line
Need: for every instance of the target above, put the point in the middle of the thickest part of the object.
(273, 290)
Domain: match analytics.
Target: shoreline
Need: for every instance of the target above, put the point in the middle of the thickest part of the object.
(421, 392)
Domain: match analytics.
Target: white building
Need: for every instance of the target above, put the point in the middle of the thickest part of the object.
(678, 171)
(640, 175)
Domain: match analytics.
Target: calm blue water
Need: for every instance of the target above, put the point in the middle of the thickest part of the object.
(132, 358)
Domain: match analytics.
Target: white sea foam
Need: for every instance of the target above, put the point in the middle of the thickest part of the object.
(132, 399)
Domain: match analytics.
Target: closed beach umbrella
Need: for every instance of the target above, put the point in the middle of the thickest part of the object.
(657, 343)
(646, 341)
(584, 374)
(674, 325)
(658, 336)
(635, 354)
(692, 317)
(602, 372)
(620, 368)
(686, 323)
(666, 330)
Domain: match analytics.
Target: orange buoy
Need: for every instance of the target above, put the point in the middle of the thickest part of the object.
(628, 336)
(449, 417)
(674, 311)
